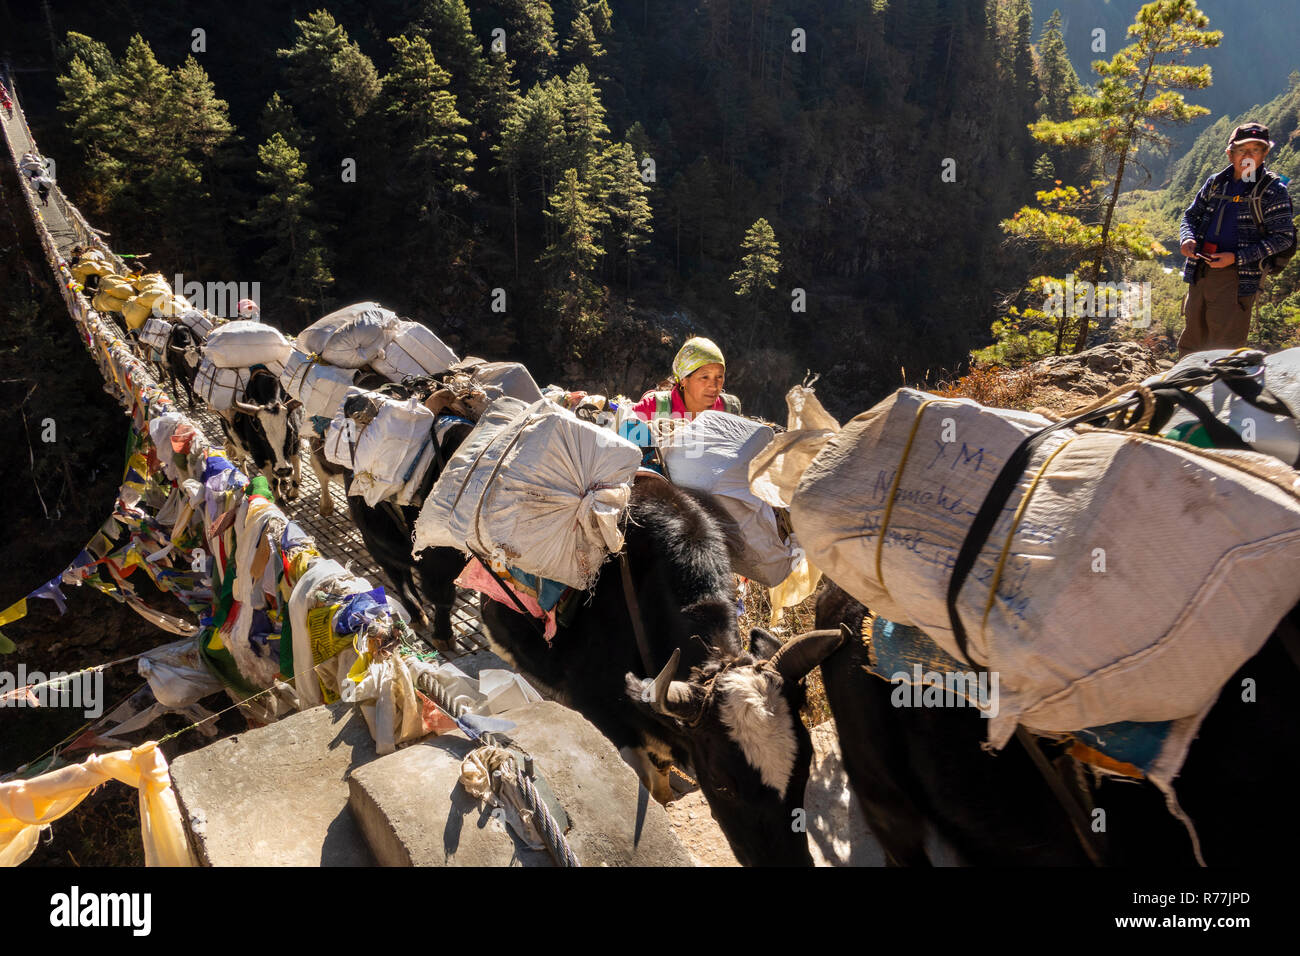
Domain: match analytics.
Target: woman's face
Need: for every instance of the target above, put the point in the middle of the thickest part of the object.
(702, 387)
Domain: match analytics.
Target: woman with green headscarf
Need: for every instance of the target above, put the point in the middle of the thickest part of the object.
(699, 372)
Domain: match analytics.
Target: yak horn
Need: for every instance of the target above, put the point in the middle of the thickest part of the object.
(801, 654)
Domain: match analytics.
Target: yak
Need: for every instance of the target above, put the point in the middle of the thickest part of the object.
(181, 360)
(914, 768)
(683, 592)
(425, 578)
(263, 431)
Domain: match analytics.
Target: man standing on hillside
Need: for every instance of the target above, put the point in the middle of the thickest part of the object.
(1231, 233)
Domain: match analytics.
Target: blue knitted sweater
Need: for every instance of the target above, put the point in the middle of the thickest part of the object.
(1252, 244)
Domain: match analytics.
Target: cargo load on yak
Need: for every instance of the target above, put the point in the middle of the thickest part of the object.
(497, 379)
(154, 335)
(1255, 395)
(387, 444)
(114, 292)
(413, 350)
(351, 337)
(534, 488)
(199, 322)
(320, 387)
(1104, 575)
(245, 343)
(712, 453)
(220, 387)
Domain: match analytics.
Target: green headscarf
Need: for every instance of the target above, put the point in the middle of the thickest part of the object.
(694, 355)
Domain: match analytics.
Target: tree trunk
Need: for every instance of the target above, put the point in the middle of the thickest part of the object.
(1081, 342)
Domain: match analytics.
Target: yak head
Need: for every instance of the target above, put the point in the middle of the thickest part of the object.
(276, 431)
(748, 745)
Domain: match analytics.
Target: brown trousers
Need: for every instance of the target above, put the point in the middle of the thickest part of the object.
(1216, 318)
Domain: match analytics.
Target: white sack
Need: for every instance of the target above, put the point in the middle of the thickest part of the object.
(154, 333)
(775, 471)
(414, 350)
(535, 487)
(1199, 550)
(320, 387)
(339, 439)
(220, 387)
(1276, 435)
(352, 337)
(712, 453)
(197, 322)
(390, 449)
(506, 378)
(243, 343)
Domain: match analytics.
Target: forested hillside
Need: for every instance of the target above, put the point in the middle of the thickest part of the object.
(619, 169)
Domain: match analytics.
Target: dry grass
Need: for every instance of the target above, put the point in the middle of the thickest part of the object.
(993, 385)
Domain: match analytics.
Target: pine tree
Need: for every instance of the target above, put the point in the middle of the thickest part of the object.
(529, 148)
(138, 96)
(425, 130)
(631, 219)
(331, 82)
(584, 121)
(568, 262)
(96, 56)
(94, 130)
(1138, 89)
(581, 45)
(1057, 80)
(278, 117)
(758, 267)
(531, 32)
(297, 258)
(447, 26)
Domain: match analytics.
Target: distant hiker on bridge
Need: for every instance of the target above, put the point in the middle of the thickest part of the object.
(6, 102)
(1238, 229)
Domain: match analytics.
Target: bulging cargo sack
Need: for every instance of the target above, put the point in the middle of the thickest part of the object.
(340, 439)
(155, 333)
(1126, 578)
(136, 311)
(171, 306)
(220, 387)
(117, 286)
(151, 280)
(712, 453)
(352, 337)
(89, 266)
(535, 487)
(200, 323)
(414, 350)
(392, 451)
(243, 344)
(775, 471)
(1265, 428)
(321, 388)
(499, 379)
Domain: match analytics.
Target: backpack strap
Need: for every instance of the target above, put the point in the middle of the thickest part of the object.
(663, 404)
